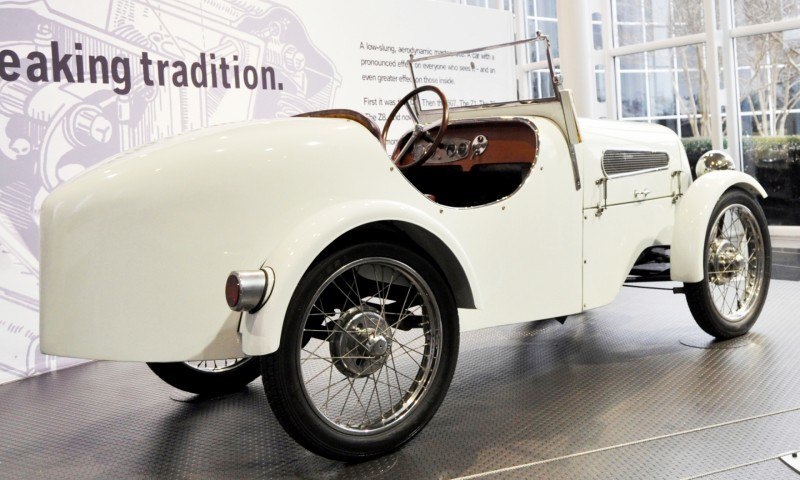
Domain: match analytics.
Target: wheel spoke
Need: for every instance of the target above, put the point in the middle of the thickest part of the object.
(346, 296)
(401, 373)
(328, 388)
(406, 352)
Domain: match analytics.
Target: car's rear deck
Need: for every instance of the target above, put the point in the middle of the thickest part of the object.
(632, 390)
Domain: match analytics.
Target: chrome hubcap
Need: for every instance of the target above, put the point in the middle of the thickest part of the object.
(735, 262)
(360, 348)
(728, 261)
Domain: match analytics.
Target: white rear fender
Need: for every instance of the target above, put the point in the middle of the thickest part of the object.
(261, 331)
(692, 217)
(136, 251)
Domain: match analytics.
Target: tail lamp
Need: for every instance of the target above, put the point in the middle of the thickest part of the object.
(247, 290)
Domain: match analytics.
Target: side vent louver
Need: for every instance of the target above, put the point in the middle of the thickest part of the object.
(623, 162)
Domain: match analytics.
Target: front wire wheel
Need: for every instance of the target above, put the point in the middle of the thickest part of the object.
(737, 268)
(368, 350)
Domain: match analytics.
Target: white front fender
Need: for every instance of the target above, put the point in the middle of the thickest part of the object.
(692, 217)
(261, 331)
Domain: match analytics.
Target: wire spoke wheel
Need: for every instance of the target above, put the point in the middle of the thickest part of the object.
(217, 366)
(737, 267)
(209, 377)
(368, 349)
(368, 361)
(735, 262)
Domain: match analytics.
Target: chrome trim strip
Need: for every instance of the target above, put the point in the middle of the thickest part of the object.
(627, 202)
(636, 172)
(574, 159)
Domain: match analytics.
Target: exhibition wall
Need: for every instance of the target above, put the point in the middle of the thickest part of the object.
(83, 80)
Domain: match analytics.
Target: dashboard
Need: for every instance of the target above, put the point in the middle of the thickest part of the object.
(472, 143)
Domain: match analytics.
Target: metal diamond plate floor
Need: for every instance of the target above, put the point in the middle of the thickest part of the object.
(631, 390)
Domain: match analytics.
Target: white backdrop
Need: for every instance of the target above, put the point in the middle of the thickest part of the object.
(343, 54)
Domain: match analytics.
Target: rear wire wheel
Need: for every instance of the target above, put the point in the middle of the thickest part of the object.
(737, 263)
(368, 349)
(209, 377)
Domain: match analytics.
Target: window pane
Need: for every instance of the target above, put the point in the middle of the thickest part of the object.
(669, 123)
(769, 88)
(549, 28)
(632, 62)
(629, 34)
(669, 88)
(656, 32)
(659, 59)
(600, 82)
(546, 8)
(597, 36)
(693, 90)
(541, 84)
(749, 12)
(638, 21)
(629, 10)
(634, 92)
(657, 11)
(662, 94)
(536, 51)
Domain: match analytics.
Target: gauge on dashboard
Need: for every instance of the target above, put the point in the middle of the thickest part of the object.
(450, 150)
(463, 149)
(479, 145)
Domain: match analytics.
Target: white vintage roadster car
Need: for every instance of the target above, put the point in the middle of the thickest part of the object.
(354, 270)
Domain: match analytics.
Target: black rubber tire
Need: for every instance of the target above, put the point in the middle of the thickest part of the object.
(698, 295)
(283, 382)
(189, 379)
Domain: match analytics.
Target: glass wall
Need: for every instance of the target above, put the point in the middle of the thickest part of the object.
(768, 68)
(670, 83)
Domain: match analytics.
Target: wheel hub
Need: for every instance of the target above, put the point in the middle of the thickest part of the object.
(727, 261)
(360, 347)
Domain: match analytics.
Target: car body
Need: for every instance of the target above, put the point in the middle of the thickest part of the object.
(136, 251)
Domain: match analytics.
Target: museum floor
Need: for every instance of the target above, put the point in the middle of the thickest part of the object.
(631, 390)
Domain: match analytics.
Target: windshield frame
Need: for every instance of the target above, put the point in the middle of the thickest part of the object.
(555, 81)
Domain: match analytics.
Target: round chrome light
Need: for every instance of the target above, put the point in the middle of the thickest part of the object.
(713, 160)
(245, 290)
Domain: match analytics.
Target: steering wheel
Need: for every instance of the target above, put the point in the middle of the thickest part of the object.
(420, 131)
